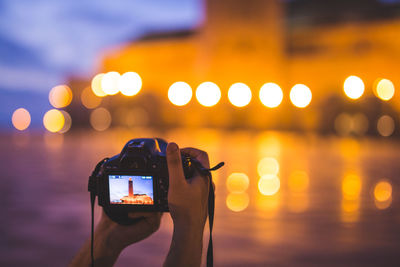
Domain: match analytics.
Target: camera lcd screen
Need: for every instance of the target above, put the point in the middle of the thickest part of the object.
(131, 190)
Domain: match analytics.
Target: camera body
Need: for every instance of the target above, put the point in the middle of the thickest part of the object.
(136, 179)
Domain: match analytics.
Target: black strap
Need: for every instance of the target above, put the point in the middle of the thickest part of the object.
(92, 188)
(92, 200)
(211, 206)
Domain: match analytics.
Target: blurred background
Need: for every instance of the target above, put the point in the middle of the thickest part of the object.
(298, 97)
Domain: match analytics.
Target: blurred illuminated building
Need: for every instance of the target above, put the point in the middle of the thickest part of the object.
(315, 43)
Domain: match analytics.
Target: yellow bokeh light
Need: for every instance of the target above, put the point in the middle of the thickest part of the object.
(351, 186)
(383, 191)
(237, 182)
(130, 83)
(180, 93)
(269, 184)
(208, 94)
(298, 181)
(350, 210)
(110, 82)
(100, 119)
(383, 204)
(239, 94)
(268, 165)
(298, 203)
(60, 96)
(89, 99)
(384, 89)
(271, 95)
(385, 125)
(268, 206)
(353, 87)
(96, 85)
(67, 122)
(237, 201)
(300, 95)
(21, 119)
(53, 120)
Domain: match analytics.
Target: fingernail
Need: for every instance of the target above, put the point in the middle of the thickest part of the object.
(172, 147)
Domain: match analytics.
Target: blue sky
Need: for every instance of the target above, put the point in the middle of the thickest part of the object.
(44, 41)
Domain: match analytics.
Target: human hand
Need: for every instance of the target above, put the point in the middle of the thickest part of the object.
(188, 206)
(111, 238)
(119, 236)
(187, 199)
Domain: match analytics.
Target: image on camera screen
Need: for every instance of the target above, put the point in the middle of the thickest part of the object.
(131, 190)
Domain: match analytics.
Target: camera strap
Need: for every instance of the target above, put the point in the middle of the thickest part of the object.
(92, 188)
(211, 206)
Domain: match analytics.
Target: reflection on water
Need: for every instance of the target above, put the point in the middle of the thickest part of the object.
(383, 194)
(269, 184)
(351, 189)
(237, 201)
(281, 199)
(298, 183)
(53, 140)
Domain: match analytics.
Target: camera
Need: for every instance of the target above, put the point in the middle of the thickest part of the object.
(136, 179)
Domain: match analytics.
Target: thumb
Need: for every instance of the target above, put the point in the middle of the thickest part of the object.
(174, 162)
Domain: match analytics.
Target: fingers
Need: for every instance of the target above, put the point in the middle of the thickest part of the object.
(200, 155)
(174, 161)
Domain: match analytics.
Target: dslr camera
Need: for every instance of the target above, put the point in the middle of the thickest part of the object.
(136, 179)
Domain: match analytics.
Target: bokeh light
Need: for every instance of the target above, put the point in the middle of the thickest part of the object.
(353, 87)
(100, 119)
(360, 124)
(239, 94)
(343, 124)
(237, 201)
(131, 117)
(180, 93)
(268, 165)
(21, 119)
(385, 125)
(269, 184)
(96, 85)
(384, 89)
(110, 82)
(300, 95)
(383, 194)
(89, 99)
(237, 182)
(351, 186)
(67, 122)
(271, 95)
(298, 181)
(130, 83)
(208, 94)
(53, 120)
(383, 191)
(60, 96)
(346, 124)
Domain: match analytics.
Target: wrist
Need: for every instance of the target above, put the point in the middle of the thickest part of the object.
(105, 241)
(189, 231)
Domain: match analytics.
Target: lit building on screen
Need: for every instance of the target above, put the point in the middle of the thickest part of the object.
(299, 49)
(139, 199)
